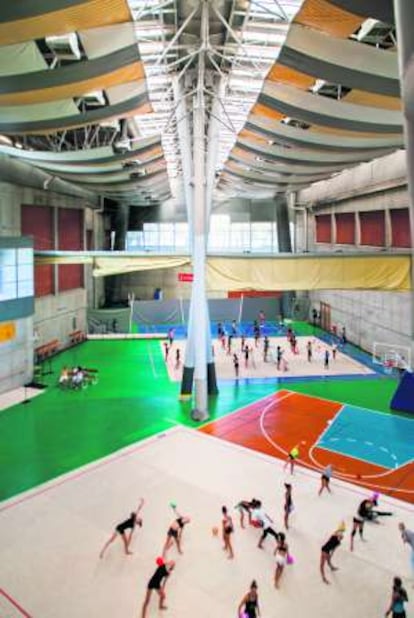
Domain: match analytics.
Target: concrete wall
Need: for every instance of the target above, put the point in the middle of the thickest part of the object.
(368, 316)
(143, 284)
(16, 357)
(55, 314)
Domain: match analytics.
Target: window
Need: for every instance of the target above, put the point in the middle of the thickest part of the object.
(181, 236)
(151, 235)
(240, 236)
(16, 273)
(219, 236)
(262, 237)
(166, 236)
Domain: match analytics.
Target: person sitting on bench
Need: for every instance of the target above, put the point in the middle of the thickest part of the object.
(64, 377)
(78, 377)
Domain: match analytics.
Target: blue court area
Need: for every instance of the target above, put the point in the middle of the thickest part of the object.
(382, 439)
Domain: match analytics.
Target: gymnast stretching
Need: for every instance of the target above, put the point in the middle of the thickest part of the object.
(120, 530)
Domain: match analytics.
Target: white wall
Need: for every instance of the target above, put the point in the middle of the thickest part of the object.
(16, 357)
(54, 314)
(368, 316)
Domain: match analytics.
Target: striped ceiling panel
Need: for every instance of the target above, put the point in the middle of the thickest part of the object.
(68, 66)
(330, 101)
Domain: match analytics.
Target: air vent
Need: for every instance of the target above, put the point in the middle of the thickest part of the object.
(293, 122)
(328, 89)
(65, 47)
(374, 32)
(94, 99)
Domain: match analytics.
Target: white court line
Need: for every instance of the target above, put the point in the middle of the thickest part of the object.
(320, 466)
(154, 371)
(306, 470)
(246, 405)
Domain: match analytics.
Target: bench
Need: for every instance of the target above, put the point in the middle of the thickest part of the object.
(76, 336)
(46, 350)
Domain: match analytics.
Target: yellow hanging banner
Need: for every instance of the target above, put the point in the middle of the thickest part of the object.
(7, 331)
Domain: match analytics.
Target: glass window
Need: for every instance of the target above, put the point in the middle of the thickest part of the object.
(262, 237)
(166, 236)
(219, 236)
(151, 235)
(181, 235)
(25, 288)
(240, 236)
(134, 241)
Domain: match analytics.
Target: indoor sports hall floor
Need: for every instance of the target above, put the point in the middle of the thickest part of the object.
(50, 538)
(74, 463)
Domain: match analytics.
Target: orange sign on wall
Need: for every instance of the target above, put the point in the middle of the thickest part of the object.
(7, 331)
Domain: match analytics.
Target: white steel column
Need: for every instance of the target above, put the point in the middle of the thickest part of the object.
(199, 322)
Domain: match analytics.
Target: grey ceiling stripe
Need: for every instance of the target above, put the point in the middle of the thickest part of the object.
(346, 53)
(270, 171)
(22, 9)
(301, 154)
(102, 154)
(90, 117)
(377, 9)
(285, 134)
(286, 168)
(301, 111)
(133, 183)
(339, 74)
(72, 73)
(110, 177)
(332, 108)
(86, 168)
(264, 180)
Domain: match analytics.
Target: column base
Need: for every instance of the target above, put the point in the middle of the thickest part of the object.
(211, 379)
(187, 382)
(199, 415)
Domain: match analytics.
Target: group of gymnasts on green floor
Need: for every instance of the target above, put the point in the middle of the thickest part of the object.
(258, 518)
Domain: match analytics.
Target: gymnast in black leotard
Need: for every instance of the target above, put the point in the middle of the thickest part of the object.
(250, 602)
(227, 531)
(158, 582)
(175, 532)
(121, 530)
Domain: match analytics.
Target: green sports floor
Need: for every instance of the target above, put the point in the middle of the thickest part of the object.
(61, 430)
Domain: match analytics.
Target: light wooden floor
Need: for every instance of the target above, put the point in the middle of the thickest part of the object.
(297, 364)
(50, 538)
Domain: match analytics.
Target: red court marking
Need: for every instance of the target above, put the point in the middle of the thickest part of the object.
(15, 604)
(277, 423)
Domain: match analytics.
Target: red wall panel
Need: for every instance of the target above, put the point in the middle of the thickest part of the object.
(345, 228)
(70, 234)
(400, 227)
(323, 228)
(372, 228)
(37, 221)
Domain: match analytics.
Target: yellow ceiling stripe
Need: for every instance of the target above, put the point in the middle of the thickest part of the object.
(262, 110)
(285, 75)
(67, 91)
(92, 14)
(322, 15)
(361, 97)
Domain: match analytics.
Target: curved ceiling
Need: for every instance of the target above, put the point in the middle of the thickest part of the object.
(98, 92)
(331, 99)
